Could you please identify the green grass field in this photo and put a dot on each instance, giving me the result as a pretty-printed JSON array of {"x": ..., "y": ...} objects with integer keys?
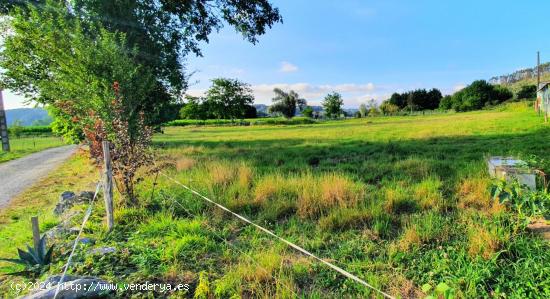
[
  {"x": 23, "y": 146},
  {"x": 398, "y": 201}
]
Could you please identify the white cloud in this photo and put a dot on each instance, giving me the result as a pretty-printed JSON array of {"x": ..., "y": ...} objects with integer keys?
[
  {"x": 287, "y": 67},
  {"x": 458, "y": 87},
  {"x": 12, "y": 100}
]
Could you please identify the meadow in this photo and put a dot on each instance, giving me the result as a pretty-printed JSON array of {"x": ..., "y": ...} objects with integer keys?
[
  {"x": 401, "y": 202},
  {"x": 28, "y": 144}
]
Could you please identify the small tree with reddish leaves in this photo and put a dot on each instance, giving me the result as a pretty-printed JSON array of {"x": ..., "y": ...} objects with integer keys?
[{"x": 130, "y": 138}]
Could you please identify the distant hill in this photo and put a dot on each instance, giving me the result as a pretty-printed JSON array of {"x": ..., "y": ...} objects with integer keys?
[{"x": 28, "y": 116}]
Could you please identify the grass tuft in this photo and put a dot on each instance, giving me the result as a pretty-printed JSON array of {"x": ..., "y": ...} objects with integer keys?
[
  {"x": 319, "y": 195},
  {"x": 344, "y": 219},
  {"x": 221, "y": 174},
  {"x": 474, "y": 193},
  {"x": 184, "y": 163}
]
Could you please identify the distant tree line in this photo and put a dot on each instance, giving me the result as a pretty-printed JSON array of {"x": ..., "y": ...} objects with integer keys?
[{"x": 419, "y": 99}]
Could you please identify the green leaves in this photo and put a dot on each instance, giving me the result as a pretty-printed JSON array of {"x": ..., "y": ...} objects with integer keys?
[
  {"x": 525, "y": 202},
  {"x": 442, "y": 290},
  {"x": 286, "y": 103},
  {"x": 332, "y": 104},
  {"x": 36, "y": 261},
  {"x": 228, "y": 98}
]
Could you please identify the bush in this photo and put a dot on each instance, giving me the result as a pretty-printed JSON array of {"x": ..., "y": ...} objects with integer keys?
[
  {"x": 16, "y": 129},
  {"x": 477, "y": 95},
  {"x": 527, "y": 92}
]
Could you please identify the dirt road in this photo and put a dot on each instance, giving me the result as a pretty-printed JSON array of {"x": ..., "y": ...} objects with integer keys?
[{"x": 17, "y": 175}]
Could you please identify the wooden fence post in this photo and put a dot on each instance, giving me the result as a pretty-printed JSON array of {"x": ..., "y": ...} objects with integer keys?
[
  {"x": 35, "y": 233},
  {"x": 108, "y": 184}
]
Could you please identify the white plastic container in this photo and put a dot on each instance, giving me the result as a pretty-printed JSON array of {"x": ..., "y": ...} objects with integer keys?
[{"x": 510, "y": 168}]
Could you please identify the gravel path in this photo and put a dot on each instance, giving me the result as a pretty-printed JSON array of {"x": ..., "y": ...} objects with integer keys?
[{"x": 17, "y": 175}]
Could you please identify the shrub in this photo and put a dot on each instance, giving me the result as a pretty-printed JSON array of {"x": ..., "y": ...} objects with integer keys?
[
  {"x": 16, "y": 128},
  {"x": 527, "y": 92},
  {"x": 478, "y": 95}
]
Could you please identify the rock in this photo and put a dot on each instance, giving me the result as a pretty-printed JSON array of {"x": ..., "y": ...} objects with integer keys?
[
  {"x": 73, "y": 287},
  {"x": 62, "y": 228},
  {"x": 69, "y": 199},
  {"x": 66, "y": 201},
  {"x": 55, "y": 232},
  {"x": 86, "y": 241},
  {"x": 54, "y": 280},
  {"x": 85, "y": 196},
  {"x": 67, "y": 195},
  {"x": 74, "y": 230},
  {"x": 102, "y": 250}
]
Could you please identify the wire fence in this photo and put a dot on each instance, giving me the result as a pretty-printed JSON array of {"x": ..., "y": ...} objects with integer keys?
[
  {"x": 288, "y": 243},
  {"x": 84, "y": 220}
]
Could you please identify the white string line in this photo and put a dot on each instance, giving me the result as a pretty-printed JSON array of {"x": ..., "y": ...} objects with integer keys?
[
  {"x": 86, "y": 216},
  {"x": 231, "y": 245},
  {"x": 302, "y": 250}
]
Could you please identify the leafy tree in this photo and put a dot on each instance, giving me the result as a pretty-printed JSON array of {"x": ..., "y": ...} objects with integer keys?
[
  {"x": 446, "y": 103},
  {"x": 286, "y": 103},
  {"x": 193, "y": 109},
  {"x": 478, "y": 95},
  {"x": 373, "y": 108},
  {"x": 160, "y": 35},
  {"x": 434, "y": 97},
  {"x": 501, "y": 94},
  {"x": 308, "y": 112},
  {"x": 250, "y": 112},
  {"x": 363, "y": 111},
  {"x": 527, "y": 92},
  {"x": 418, "y": 99},
  {"x": 332, "y": 104},
  {"x": 51, "y": 57},
  {"x": 228, "y": 98},
  {"x": 399, "y": 100},
  {"x": 388, "y": 108}
]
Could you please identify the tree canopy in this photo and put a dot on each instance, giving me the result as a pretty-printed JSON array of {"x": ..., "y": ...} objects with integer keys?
[
  {"x": 332, "y": 104},
  {"x": 160, "y": 35},
  {"x": 419, "y": 99},
  {"x": 527, "y": 92},
  {"x": 286, "y": 103},
  {"x": 228, "y": 98},
  {"x": 476, "y": 96}
]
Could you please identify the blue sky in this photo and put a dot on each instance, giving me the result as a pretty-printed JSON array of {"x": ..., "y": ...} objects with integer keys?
[{"x": 370, "y": 49}]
